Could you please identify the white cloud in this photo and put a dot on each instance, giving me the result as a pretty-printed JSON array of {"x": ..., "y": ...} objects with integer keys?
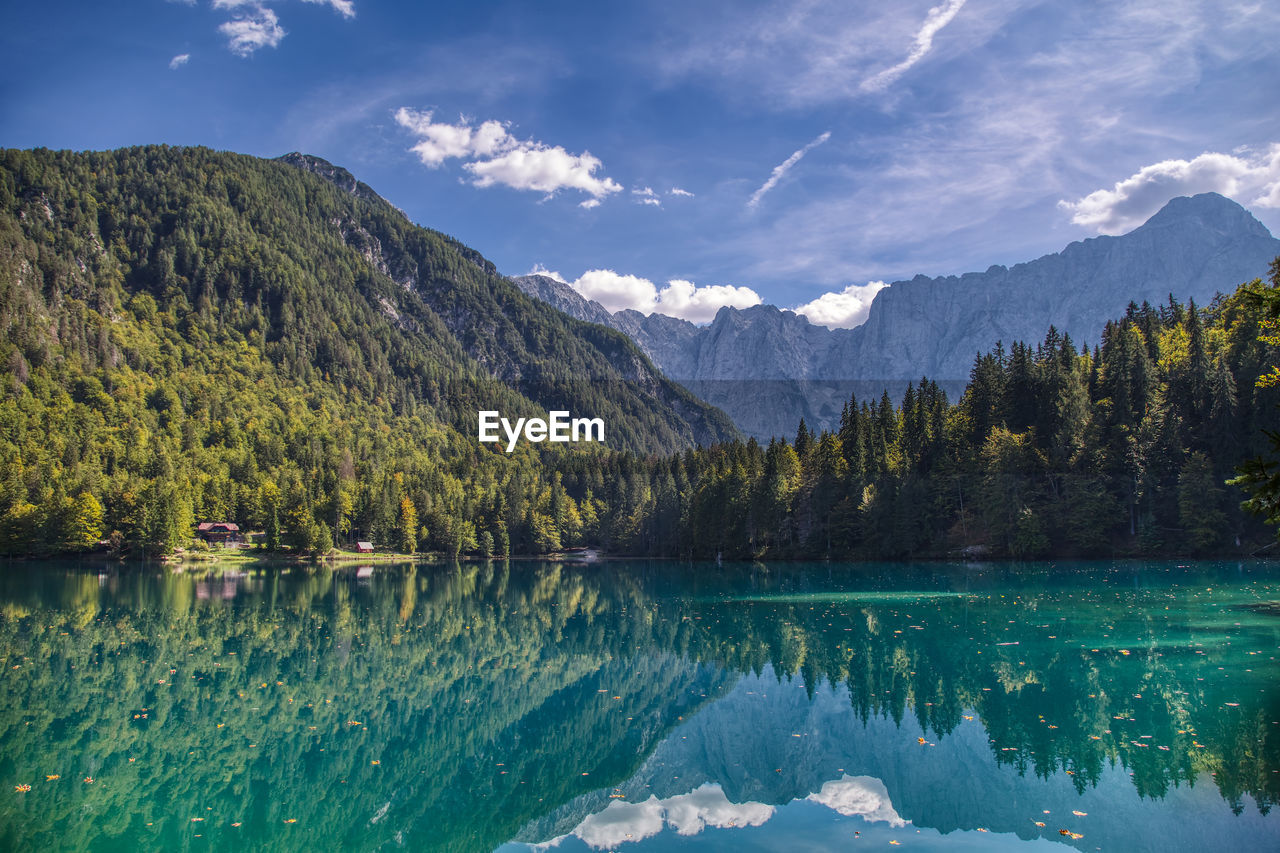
[
  {"x": 680, "y": 298},
  {"x": 345, "y": 8},
  {"x": 862, "y": 796},
  {"x": 686, "y": 300},
  {"x": 544, "y": 169},
  {"x": 589, "y": 203},
  {"x": 539, "y": 269},
  {"x": 707, "y": 806},
  {"x": 842, "y": 309},
  {"x": 938, "y": 17},
  {"x": 254, "y": 26},
  {"x": 497, "y": 157},
  {"x": 688, "y": 814},
  {"x": 1248, "y": 179},
  {"x": 679, "y": 192},
  {"x": 782, "y": 168},
  {"x": 251, "y": 31},
  {"x": 616, "y": 291},
  {"x": 440, "y": 141},
  {"x": 179, "y": 61},
  {"x": 647, "y": 196}
]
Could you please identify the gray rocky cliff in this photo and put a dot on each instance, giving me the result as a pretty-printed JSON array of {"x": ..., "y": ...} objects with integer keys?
[{"x": 768, "y": 367}]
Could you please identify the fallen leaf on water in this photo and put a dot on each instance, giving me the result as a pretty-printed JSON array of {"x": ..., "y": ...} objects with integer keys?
[
  {"x": 21, "y": 789},
  {"x": 88, "y": 780},
  {"x": 375, "y": 762},
  {"x": 920, "y": 739},
  {"x": 237, "y": 823},
  {"x": 291, "y": 820},
  {"x": 1038, "y": 822},
  {"x": 1079, "y": 814},
  {"x": 52, "y": 778}
]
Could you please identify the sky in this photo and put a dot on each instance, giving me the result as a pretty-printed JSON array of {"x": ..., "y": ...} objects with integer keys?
[{"x": 679, "y": 156}]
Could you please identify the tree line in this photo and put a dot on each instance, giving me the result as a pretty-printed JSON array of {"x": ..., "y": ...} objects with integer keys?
[{"x": 188, "y": 336}]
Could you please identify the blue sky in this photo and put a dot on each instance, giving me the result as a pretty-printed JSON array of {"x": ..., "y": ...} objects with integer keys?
[{"x": 677, "y": 156}]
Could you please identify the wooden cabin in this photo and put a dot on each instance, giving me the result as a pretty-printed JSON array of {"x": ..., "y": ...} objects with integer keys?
[
  {"x": 364, "y": 547},
  {"x": 224, "y": 533}
]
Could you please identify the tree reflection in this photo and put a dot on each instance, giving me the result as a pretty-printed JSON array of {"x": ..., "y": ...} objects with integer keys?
[{"x": 445, "y": 707}]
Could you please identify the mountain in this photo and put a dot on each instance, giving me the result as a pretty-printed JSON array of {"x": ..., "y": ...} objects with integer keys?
[
  {"x": 195, "y": 334},
  {"x": 1192, "y": 248}
]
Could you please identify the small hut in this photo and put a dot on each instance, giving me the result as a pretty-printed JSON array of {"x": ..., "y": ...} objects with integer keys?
[
  {"x": 224, "y": 533},
  {"x": 364, "y": 547}
]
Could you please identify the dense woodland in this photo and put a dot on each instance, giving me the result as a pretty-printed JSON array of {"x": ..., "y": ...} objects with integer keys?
[
  {"x": 191, "y": 336},
  {"x": 1133, "y": 447}
]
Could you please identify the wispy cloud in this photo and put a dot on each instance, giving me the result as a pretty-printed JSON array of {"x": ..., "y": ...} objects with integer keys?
[
  {"x": 938, "y": 17},
  {"x": 1249, "y": 178},
  {"x": 647, "y": 196},
  {"x": 252, "y": 30},
  {"x": 799, "y": 53},
  {"x": 179, "y": 61},
  {"x": 254, "y": 25},
  {"x": 782, "y": 168},
  {"x": 539, "y": 269},
  {"x": 676, "y": 191},
  {"x": 345, "y": 8},
  {"x": 494, "y": 156}
]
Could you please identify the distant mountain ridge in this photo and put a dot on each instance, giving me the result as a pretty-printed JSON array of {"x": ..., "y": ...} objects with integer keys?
[{"x": 1193, "y": 248}]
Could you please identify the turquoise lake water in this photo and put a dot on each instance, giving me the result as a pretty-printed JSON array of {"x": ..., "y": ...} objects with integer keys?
[{"x": 641, "y": 706}]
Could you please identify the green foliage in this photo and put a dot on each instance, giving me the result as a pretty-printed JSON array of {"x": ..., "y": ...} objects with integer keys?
[
  {"x": 194, "y": 336},
  {"x": 1260, "y": 475},
  {"x": 189, "y": 336},
  {"x": 407, "y": 529},
  {"x": 1050, "y": 451}
]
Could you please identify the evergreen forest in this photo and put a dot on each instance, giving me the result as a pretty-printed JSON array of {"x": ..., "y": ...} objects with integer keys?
[{"x": 195, "y": 336}]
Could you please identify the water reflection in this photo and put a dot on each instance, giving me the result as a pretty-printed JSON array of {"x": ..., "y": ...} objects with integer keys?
[{"x": 458, "y": 707}]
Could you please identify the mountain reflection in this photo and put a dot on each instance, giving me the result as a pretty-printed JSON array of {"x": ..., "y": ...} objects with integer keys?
[{"x": 457, "y": 707}]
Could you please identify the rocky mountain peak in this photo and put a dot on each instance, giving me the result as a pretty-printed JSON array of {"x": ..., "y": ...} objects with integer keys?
[{"x": 336, "y": 175}]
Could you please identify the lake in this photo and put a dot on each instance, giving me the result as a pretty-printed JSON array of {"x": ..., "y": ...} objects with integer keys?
[{"x": 639, "y": 706}]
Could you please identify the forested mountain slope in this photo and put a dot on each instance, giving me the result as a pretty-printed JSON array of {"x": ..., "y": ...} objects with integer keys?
[{"x": 192, "y": 334}]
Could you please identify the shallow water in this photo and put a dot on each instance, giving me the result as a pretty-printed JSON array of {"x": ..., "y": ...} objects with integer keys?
[{"x": 638, "y": 706}]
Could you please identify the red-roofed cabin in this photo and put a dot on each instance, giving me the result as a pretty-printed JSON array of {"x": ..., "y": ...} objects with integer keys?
[{"x": 219, "y": 532}]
